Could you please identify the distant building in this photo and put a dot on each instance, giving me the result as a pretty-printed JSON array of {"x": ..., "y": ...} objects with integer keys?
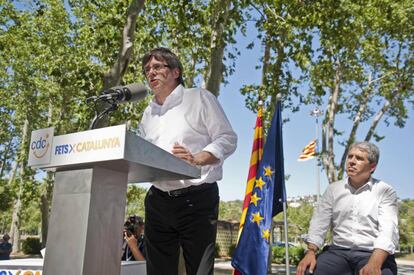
[{"x": 227, "y": 232}]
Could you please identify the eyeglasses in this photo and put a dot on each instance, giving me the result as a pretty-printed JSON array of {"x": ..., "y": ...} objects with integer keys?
[{"x": 156, "y": 68}]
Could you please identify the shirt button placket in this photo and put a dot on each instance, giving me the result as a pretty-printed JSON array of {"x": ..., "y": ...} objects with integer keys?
[{"x": 354, "y": 218}]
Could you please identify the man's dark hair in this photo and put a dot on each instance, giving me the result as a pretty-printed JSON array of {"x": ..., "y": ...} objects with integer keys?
[{"x": 165, "y": 54}]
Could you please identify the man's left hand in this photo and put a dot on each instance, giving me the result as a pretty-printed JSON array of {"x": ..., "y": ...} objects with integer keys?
[
  {"x": 201, "y": 158},
  {"x": 183, "y": 153},
  {"x": 370, "y": 269},
  {"x": 373, "y": 267}
]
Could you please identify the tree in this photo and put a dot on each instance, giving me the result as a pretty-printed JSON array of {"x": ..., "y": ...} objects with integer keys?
[
  {"x": 286, "y": 40},
  {"x": 48, "y": 72},
  {"x": 353, "y": 57},
  {"x": 135, "y": 201},
  {"x": 365, "y": 66},
  {"x": 406, "y": 222},
  {"x": 231, "y": 210}
]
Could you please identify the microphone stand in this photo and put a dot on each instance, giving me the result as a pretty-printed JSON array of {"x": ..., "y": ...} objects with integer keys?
[{"x": 100, "y": 115}]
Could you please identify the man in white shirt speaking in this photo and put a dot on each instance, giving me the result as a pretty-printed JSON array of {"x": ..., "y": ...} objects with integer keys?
[
  {"x": 190, "y": 124},
  {"x": 362, "y": 213}
]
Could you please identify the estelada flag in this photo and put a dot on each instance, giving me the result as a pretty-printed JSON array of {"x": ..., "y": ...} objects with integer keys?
[{"x": 309, "y": 151}]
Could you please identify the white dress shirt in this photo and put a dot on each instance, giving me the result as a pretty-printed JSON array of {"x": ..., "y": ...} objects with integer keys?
[
  {"x": 194, "y": 119},
  {"x": 365, "y": 218}
]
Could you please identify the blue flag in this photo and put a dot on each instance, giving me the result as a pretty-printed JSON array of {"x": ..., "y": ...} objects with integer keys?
[{"x": 252, "y": 252}]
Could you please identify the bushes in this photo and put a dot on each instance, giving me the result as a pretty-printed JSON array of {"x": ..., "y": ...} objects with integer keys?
[
  {"x": 217, "y": 250},
  {"x": 295, "y": 254},
  {"x": 232, "y": 247},
  {"x": 31, "y": 245}
]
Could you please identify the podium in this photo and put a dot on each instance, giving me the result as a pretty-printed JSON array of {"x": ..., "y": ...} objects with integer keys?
[{"x": 93, "y": 169}]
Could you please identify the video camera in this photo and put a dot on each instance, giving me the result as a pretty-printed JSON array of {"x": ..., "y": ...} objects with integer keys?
[{"x": 132, "y": 224}]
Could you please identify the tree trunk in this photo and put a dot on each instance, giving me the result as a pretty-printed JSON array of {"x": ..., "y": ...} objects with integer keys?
[
  {"x": 366, "y": 95},
  {"x": 328, "y": 130},
  {"x": 115, "y": 74},
  {"x": 15, "y": 227},
  {"x": 216, "y": 67},
  {"x": 280, "y": 45},
  {"x": 376, "y": 120}
]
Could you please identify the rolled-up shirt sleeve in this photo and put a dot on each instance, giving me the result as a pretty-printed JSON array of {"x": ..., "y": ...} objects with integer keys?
[
  {"x": 321, "y": 219},
  {"x": 387, "y": 222},
  {"x": 223, "y": 138}
]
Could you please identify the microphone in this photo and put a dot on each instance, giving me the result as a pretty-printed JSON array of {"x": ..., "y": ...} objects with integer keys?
[{"x": 124, "y": 94}]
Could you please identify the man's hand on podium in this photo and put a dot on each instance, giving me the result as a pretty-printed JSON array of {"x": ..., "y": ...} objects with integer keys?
[{"x": 198, "y": 159}]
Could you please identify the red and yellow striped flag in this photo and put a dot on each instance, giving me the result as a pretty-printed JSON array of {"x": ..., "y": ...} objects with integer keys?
[
  {"x": 309, "y": 151},
  {"x": 257, "y": 152},
  {"x": 256, "y": 156}
]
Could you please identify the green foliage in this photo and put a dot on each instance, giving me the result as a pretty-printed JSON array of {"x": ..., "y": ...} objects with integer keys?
[
  {"x": 295, "y": 254},
  {"x": 135, "y": 200},
  {"x": 299, "y": 217},
  {"x": 406, "y": 222},
  {"x": 30, "y": 217},
  {"x": 217, "y": 250},
  {"x": 31, "y": 246},
  {"x": 355, "y": 58},
  {"x": 232, "y": 247},
  {"x": 5, "y": 220},
  {"x": 278, "y": 254},
  {"x": 230, "y": 210},
  {"x": 6, "y": 197}
]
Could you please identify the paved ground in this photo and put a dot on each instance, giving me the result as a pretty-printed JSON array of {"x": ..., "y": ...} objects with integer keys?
[{"x": 223, "y": 267}]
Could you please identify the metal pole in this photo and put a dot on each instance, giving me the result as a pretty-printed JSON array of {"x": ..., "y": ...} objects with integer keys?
[
  {"x": 318, "y": 181},
  {"x": 270, "y": 254},
  {"x": 286, "y": 238},
  {"x": 317, "y": 113}
]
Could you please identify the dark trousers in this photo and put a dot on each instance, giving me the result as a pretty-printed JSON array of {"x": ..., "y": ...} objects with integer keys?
[
  {"x": 189, "y": 221},
  {"x": 345, "y": 261}
]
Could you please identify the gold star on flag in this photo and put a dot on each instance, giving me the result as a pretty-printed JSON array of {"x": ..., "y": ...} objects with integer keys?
[
  {"x": 268, "y": 171},
  {"x": 257, "y": 218},
  {"x": 260, "y": 183},
  {"x": 254, "y": 199},
  {"x": 266, "y": 234}
]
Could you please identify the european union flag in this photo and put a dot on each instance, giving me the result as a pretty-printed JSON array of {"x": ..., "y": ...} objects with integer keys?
[{"x": 251, "y": 254}]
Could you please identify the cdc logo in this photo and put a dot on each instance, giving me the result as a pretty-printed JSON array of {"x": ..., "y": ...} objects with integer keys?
[{"x": 40, "y": 146}]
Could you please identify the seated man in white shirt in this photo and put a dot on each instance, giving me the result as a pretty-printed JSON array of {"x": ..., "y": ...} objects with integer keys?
[{"x": 362, "y": 212}]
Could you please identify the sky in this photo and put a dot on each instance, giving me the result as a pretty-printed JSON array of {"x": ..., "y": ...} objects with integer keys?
[{"x": 396, "y": 149}]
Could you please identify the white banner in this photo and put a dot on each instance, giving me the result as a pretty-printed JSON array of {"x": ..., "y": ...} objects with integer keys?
[{"x": 83, "y": 147}]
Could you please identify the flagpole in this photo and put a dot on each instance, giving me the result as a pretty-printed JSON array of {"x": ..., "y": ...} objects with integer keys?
[
  {"x": 270, "y": 256},
  {"x": 286, "y": 238},
  {"x": 317, "y": 113}
]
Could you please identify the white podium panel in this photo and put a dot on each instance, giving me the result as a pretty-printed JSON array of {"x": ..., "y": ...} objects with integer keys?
[{"x": 89, "y": 195}]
